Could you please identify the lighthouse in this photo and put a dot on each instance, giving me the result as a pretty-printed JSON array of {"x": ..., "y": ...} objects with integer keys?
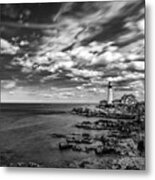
[{"x": 110, "y": 93}]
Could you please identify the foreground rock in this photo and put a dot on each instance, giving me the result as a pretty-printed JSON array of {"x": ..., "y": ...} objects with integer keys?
[
  {"x": 121, "y": 147},
  {"x": 102, "y": 145},
  {"x": 123, "y": 126},
  {"x": 123, "y": 163}
]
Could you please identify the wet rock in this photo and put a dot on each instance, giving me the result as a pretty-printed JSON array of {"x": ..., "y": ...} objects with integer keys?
[
  {"x": 83, "y": 164},
  {"x": 105, "y": 150},
  {"x": 87, "y": 141},
  {"x": 56, "y": 135},
  {"x": 98, "y": 125},
  {"x": 79, "y": 139},
  {"x": 113, "y": 133},
  {"x": 99, "y": 150},
  {"x": 21, "y": 164},
  {"x": 122, "y": 138},
  {"x": 27, "y": 164},
  {"x": 127, "y": 147},
  {"x": 64, "y": 146},
  {"x": 84, "y": 125},
  {"x": 33, "y": 164},
  {"x": 77, "y": 148},
  {"x": 128, "y": 163},
  {"x": 141, "y": 147}
]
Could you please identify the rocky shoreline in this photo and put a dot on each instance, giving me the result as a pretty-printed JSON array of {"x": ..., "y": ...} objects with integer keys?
[
  {"x": 97, "y": 112},
  {"x": 124, "y": 140},
  {"x": 119, "y": 143},
  {"x": 121, "y": 147}
]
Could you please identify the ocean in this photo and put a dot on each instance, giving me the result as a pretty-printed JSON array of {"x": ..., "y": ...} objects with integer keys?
[{"x": 26, "y": 133}]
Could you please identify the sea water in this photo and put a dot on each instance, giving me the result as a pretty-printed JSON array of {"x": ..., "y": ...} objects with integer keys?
[{"x": 26, "y": 130}]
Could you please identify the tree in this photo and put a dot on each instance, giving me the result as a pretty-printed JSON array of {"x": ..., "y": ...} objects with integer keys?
[{"x": 128, "y": 99}]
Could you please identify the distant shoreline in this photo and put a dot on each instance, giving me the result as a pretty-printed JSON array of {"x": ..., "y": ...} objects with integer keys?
[
  {"x": 48, "y": 103},
  {"x": 40, "y": 108}
]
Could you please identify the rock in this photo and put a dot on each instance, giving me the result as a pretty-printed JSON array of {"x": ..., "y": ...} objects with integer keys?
[
  {"x": 76, "y": 148},
  {"x": 99, "y": 150},
  {"x": 83, "y": 164},
  {"x": 33, "y": 164},
  {"x": 29, "y": 164},
  {"x": 141, "y": 147},
  {"x": 127, "y": 147},
  {"x": 21, "y": 164},
  {"x": 64, "y": 146},
  {"x": 56, "y": 135},
  {"x": 129, "y": 163},
  {"x": 87, "y": 141},
  {"x": 84, "y": 138},
  {"x": 98, "y": 125}
]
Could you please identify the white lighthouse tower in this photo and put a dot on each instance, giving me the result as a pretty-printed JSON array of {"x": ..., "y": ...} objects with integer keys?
[{"x": 110, "y": 93}]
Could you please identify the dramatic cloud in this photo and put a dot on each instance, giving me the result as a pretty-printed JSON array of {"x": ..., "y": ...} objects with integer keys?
[
  {"x": 8, "y": 48},
  {"x": 80, "y": 46}
]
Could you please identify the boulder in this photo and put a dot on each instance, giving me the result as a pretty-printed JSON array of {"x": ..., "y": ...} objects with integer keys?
[{"x": 64, "y": 146}]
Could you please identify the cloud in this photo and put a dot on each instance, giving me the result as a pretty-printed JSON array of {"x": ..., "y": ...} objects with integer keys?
[
  {"x": 137, "y": 65},
  {"x": 141, "y": 25},
  {"x": 66, "y": 94},
  {"x": 127, "y": 76},
  {"x": 79, "y": 88},
  {"x": 47, "y": 95},
  {"x": 8, "y": 84},
  {"x": 85, "y": 73},
  {"x": 108, "y": 57},
  {"x": 137, "y": 85},
  {"x": 82, "y": 53},
  {"x": 49, "y": 77},
  {"x": 11, "y": 92},
  {"x": 8, "y": 48},
  {"x": 61, "y": 64},
  {"x": 124, "y": 88},
  {"x": 84, "y": 46},
  {"x": 23, "y": 43}
]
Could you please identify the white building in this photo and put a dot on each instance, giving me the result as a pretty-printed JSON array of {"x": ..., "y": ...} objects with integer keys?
[{"x": 110, "y": 93}]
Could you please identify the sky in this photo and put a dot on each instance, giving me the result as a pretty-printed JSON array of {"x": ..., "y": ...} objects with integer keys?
[{"x": 68, "y": 52}]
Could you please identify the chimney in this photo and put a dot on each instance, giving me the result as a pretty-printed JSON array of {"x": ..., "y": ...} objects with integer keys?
[{"x": 110, "y": 93}]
